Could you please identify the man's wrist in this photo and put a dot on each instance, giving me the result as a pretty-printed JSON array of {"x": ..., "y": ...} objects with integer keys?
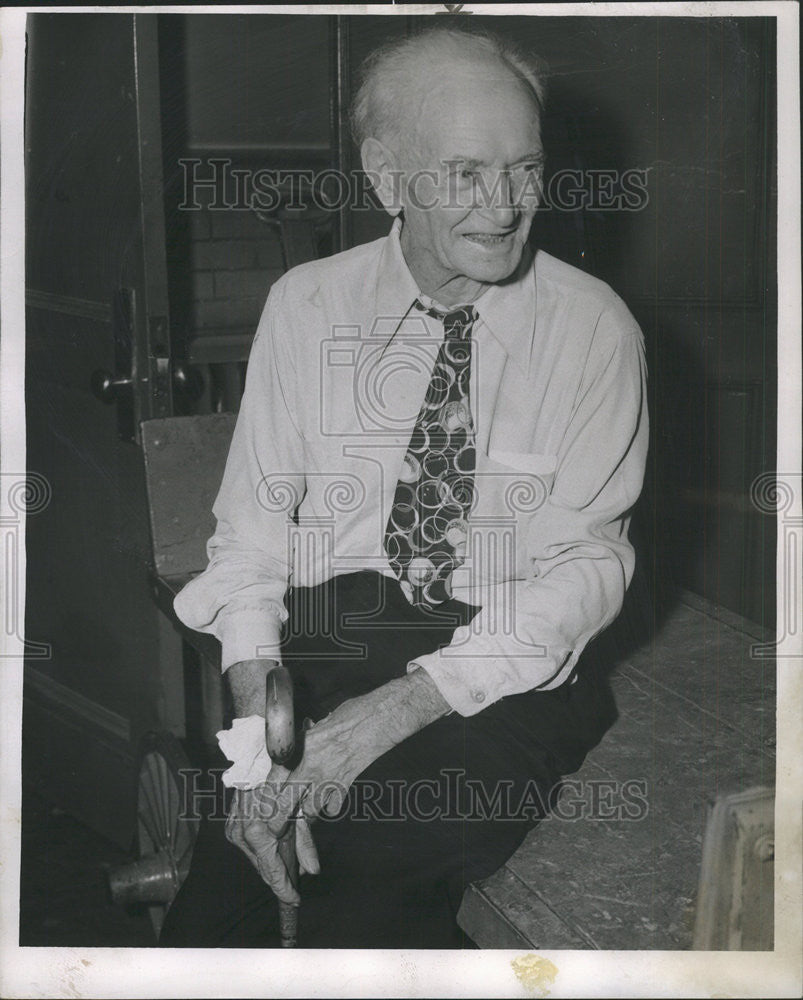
[
  {"x": 425, "y": 694},
  {"x": 415, "y": 702},
  {"x": 247, "y": 685}
]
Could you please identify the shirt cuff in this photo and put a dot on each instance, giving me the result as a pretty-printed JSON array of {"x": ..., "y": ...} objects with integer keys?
[
  {"x": 470, "y": 680},
  {"x": 249, "y": 635}
]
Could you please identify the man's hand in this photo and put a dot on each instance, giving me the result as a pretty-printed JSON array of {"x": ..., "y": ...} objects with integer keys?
[
  {"x": 253, "y": 824},
  {"x": 254, "y": 827},
  {"x": 340, "y": 747},
  {"x": 336, "y": 751}
]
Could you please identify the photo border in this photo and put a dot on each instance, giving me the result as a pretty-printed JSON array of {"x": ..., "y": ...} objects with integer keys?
[{"x": 133, "y": 972}]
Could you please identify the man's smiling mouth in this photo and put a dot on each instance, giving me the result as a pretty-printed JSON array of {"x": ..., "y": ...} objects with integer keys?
[{"x": 489, "y": 239}]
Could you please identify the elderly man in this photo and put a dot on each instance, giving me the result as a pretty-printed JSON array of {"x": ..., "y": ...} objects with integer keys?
[{"x": 424, "y": 516}]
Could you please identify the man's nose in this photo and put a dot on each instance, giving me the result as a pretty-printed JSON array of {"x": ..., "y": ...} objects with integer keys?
[{"x": 497, "y": 201}]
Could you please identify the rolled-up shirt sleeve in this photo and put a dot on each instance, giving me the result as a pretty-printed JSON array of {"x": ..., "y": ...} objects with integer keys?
[
  {"x": 239, "y": 597},
  {"x": 529, "y": 633}
]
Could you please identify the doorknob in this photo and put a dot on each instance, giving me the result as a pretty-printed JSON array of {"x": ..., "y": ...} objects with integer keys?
[
  {"x": 118, "y": 386},
  {"x": 187, "y": 382},
  {"x": 107, "y": 387}
]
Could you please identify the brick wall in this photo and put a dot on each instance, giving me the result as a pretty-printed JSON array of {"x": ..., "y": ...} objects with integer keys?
[{"x": 234, "y": 259}]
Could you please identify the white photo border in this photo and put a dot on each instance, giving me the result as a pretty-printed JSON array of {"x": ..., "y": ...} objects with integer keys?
[{"x": 133, "y": 972}]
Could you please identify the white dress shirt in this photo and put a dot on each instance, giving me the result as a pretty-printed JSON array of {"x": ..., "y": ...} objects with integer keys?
[{"x": 338, "y": 370}]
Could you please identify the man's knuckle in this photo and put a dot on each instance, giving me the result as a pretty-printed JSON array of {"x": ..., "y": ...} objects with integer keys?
[{"x": 252, "y": 838}]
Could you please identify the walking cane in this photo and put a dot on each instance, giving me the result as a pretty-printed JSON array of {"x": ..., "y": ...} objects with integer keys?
[{"x": 280, "y": 739}]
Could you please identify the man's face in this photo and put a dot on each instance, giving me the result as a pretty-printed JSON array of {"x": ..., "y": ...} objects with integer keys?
[{"x": 469, "y": 207}]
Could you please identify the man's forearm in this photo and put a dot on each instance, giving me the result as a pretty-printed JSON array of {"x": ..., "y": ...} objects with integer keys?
[
  {"x": 247, "y": 685},
  {"x": 415, "y": 702},
  {"x": 339, "y": 748},
  {"x": 391, "y": 714},
  {"x": 364, "y": 727}
]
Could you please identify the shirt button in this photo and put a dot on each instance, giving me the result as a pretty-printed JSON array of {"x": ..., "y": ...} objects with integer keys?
[{"x": 478, "y": 696}]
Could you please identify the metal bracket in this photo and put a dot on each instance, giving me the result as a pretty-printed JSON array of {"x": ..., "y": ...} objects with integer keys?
[{"x": 159, "y": 366}]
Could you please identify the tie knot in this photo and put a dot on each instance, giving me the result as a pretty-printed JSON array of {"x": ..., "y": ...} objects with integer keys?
[{"x": 456, "y": 323}]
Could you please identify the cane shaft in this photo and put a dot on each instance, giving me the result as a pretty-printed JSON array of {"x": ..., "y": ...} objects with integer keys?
[
  {"x": 280, "y": 743},
  {"x": 288, "y": 913}
]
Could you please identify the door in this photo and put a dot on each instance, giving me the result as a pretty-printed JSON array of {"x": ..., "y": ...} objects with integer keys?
[{"x": 102, "y": 667}]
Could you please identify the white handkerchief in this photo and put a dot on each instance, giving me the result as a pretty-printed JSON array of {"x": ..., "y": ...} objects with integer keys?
[{"x": 244, "y": 746}]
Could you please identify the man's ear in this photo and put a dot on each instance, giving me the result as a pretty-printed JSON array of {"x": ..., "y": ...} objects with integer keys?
[{"x": 384, "y": 173}]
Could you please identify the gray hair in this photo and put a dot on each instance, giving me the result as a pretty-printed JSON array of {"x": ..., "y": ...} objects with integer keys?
[{"x": 390, "y": 70}]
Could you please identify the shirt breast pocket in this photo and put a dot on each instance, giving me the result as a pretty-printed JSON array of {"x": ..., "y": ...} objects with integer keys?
[
  {"x": 541, "y": 466},
  {"x": 511, "y": 487}
]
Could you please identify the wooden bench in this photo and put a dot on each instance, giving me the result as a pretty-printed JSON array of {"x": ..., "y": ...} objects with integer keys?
[{"x": 184, "y": 462}]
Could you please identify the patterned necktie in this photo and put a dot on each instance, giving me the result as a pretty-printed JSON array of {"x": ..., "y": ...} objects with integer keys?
[{"x": 427, "y": 530}]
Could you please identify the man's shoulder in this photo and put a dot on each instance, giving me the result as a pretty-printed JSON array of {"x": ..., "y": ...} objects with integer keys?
[
  {"x": 593, "y": 296},
  {"x": 339, "y": 275}
]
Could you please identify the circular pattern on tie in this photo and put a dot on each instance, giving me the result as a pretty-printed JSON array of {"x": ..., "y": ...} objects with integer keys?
[
  {"x": 455, "y": 416},
  {"x": 427, "y": 530},
  {"x": 411, "y": 469}
]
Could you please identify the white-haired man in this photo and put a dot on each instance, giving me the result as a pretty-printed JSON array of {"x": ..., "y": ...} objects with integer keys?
[{"x": 424, "y": 515}]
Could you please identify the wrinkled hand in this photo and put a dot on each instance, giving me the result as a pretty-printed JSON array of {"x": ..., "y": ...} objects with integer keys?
[
  {"x": 336, "y": 751},
  {"x": 255, "y": 825}
]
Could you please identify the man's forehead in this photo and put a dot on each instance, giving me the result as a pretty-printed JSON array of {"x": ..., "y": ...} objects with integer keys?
[
  {"x": 477, "y": 127},
  {"x": 459, "y": 85}
]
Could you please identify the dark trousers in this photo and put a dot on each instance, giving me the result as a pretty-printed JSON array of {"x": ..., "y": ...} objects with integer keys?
[{"x": 446, "y": 807}]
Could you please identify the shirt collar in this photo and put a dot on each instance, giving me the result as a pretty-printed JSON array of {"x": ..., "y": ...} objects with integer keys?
[
  {"x": 507, "y": 310},
  {"x": 396, "y": 289}
]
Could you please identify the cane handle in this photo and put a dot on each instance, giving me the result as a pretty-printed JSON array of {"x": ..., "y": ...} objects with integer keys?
[{"x": 280, "y": 737}]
